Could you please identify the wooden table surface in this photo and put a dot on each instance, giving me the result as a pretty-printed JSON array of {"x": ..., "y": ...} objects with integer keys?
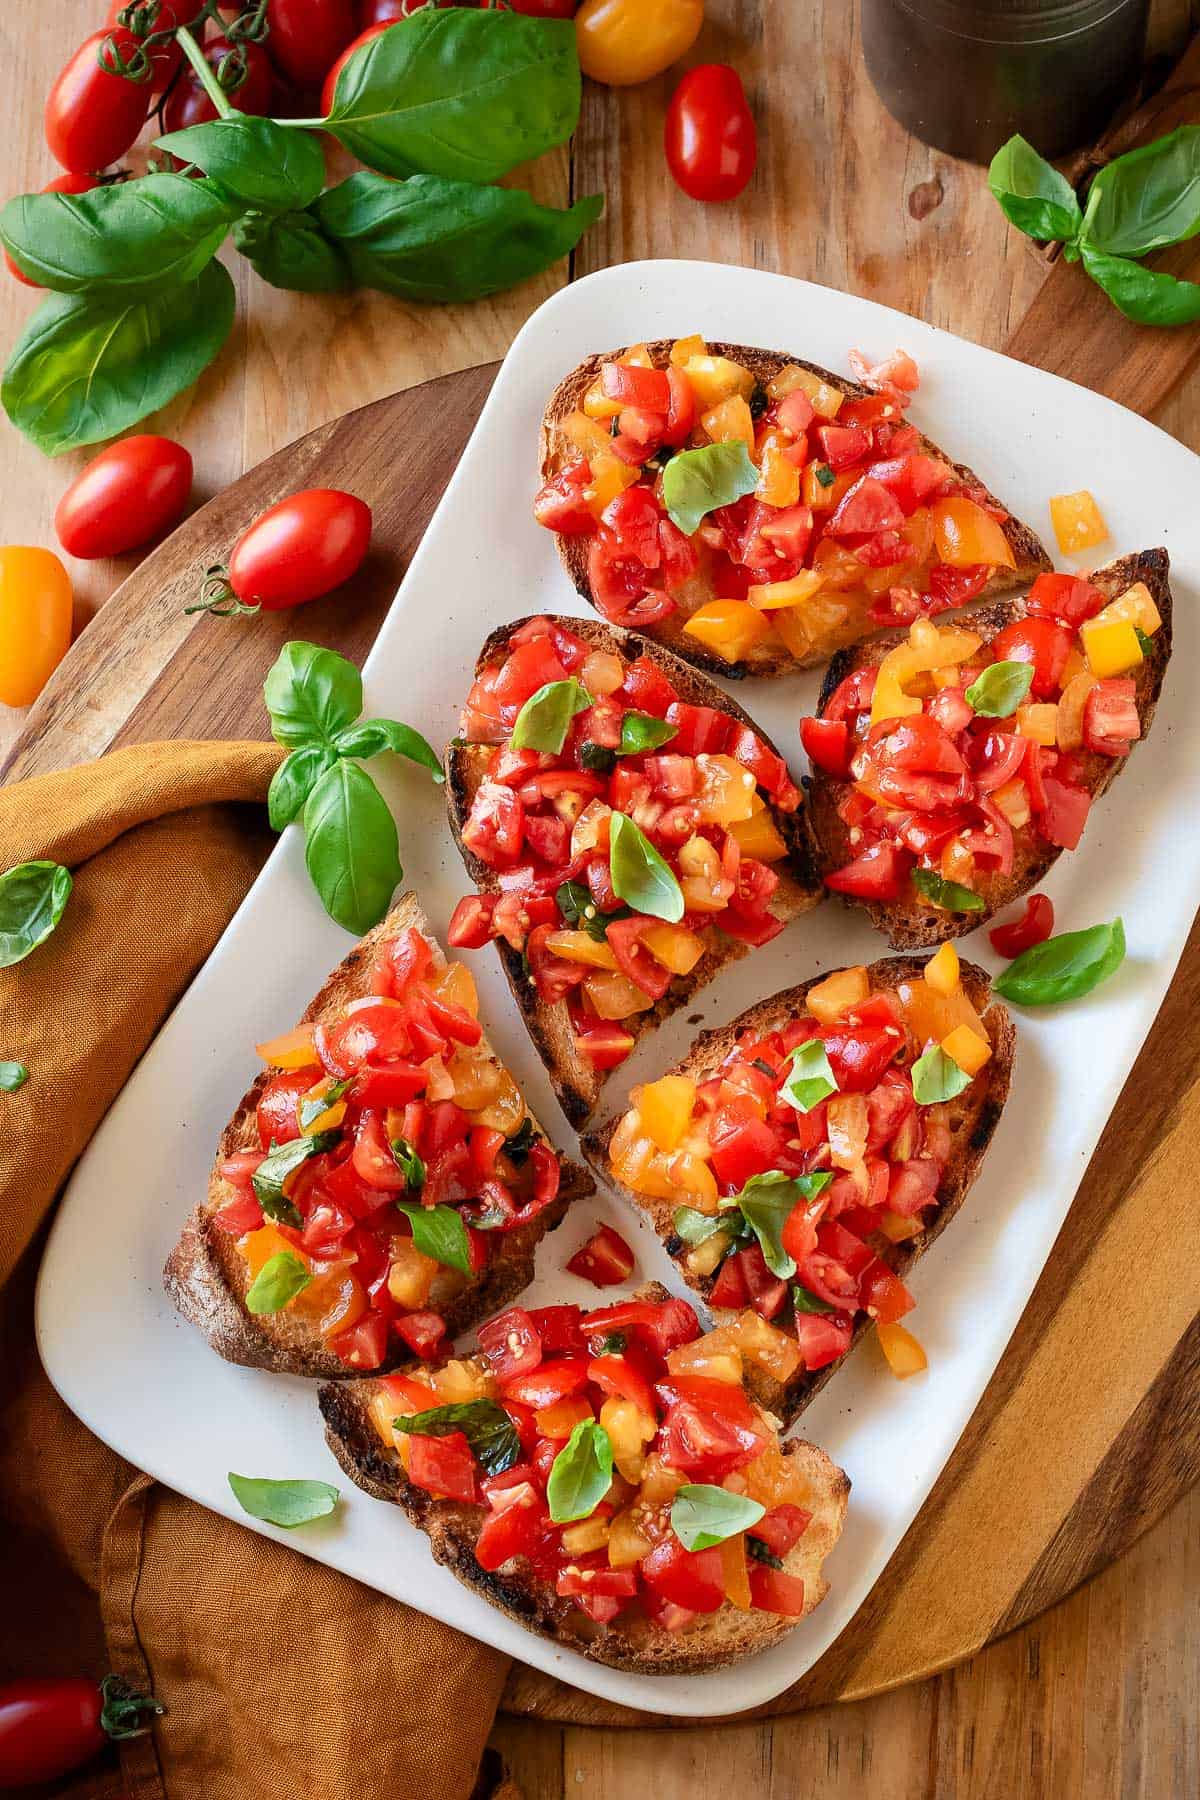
[{"x": 1099, "y": 1698}]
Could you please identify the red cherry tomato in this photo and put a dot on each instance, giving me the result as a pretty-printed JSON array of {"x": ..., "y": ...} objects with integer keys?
[
  {"x": 188, "y": 104},
  {"x": 1034, "y": 926},
  {"x": 386, "y": 12},
  {"x": 92, "y": 115},
  {"x": 62, "y": 184},
  {"x": 331, "y": 80},
  {"x": 48, "y": 1728},
  {"x": 132, "y": 492},
  {"x": 710, "y": 136},
  {"x": 306, "y": 37},
  {"x": 150, "y": 17},
  {"x": 303, "y": 547}
]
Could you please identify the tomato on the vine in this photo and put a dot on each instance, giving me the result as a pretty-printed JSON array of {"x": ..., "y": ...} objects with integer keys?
[
  {"x": 331, "y": 80},
  {"x": 49, "y": 1727},
  {"x": 188, "y": 104},
  {"x": 148, "y": 17},
  {"x": 297, "y": 550},
  {"x": 35, "y": 621},
  {"x": 93, "y": 115},
  {"x": 710, "y": 137},
  {"x": 306, "y": 37},
  {"x": 132, "y": 492},
  {"x": 622, "y": 42},
  {"x": 62, "y": 184}
]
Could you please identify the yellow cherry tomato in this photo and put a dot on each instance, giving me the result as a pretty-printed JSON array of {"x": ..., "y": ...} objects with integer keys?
[
  {"x": 622, "y": 42},
  {"x": 35, "y": 621}
]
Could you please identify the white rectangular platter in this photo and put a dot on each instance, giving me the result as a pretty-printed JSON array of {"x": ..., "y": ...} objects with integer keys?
[{"x": 149, "y": 1385}]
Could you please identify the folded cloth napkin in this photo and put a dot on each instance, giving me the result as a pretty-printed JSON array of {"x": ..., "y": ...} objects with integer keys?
[{"x": 280, "y": 1676}]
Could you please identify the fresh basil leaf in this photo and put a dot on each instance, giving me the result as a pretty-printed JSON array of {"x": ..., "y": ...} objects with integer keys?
[
  {"x": 13, "y": 1075},
  {"x": 1145, "y": 641},
  {"x": 937, "y": 1077},
  {"x": 312, "y": 1106},
  {"x": 464, "y": 94},
  {"x": 642, "y": 731},
  {"x": 280, "y": 1279},
  {"x": 1000, "y": 689},
  {"x": 639, "y": 875},
  {"x": 372, "y": 736},
  {"x": 281, "y": 1161},
  {"x": 85, "y": 369},
  {"x": 1147, "y": 198},
  {"x": 255, "y": 161},
  {"x": 312, "y": 695},
  {"x": 427, "y": 239},
  {"x": 581, "y": 1473},
  {"x": 598, "y": 758},
  {"x": 697, "y": 481},
  {"x": 33, "y": 898},
  {"x": 518, "y": 1146},
  {"x": 702, "y": 1516},
  {"x": 285, "y": 1503},
  {"x": 825, "y": 475},
  {"x": 758, "y": 1550},
  {"x": 1064, "y": 967},
  {"x": 121, "y": 242},
  {"x": 1031, "y": 192},
  {"x": 410, "y": 1164},
  {"x": 484, "y": 1423},
  {"x": 439, "y": 1232},
  {"x": 1147, "y": 296},
  {"x": 951, "y": 896},
  {"x": 811, "y": 1079},
  {"x": 545, "y": 719},
  {"x": 767, "y": 1202},
  {"x": 804, "y": 1301},
  {"x": 294, "y": 780},
  {"x": 695, "y": 1227},
  {"x": 578, "y": 908},
  {"x": 613, "y": 1344},
  {"x": 289, "y": 250},
  {"x": 350, "y": 847}
]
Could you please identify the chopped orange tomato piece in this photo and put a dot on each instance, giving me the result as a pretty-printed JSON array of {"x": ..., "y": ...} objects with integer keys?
[
  {"x": 1078, "y": 522},
  {"x": 674, "y": 946},
  {"x": 904, "y": 1354},
  {"x": 730, "y": 627},
  {"x": 1111, "y": 646},
  {"x": 715, "y": 378},
  {"x": 757, "y": 837},
  {"x": 942, "y": 971},
  {"x": 966, "y": 1048},
  {"x": 729, "y": 421},
  {"x": 965, "y": 535},
  {"x": 826, "y": 399},
  {"x": 735, "y": 1579},
  {"x": 838, "y": 993},
  {"x": 291, "y": 1050},
  {"x": 666, "y": 1108},
  {"x": 578, "y": 946}
]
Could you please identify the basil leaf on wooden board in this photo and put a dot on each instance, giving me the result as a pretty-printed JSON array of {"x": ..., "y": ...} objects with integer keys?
[
  {"x": 937, "y": 1077},
  {"x": 311, "y": 694},
  {"x": 1147, "y": 198},
  {"x": 33, "y": 898},
  {"x": 545, "y": 719},
  {"x": 1064, "y": 967},
  {"x": 370, "y": 737},
  {"x": 281, "y": 1161},
  {"x": 1147, "y": 296},
  {"x": 294, "y": 780},
  {"x": 639, "y": 875},
  {"x": 459, "y": 93},
  {"x": 950, "y": 896},
  {"x": 767, "y": 1202},
  {"x": 581, "y": 1473},
  {"x": 1031, "y": 192},
  {"x": 314, "y": 1106},
  {"x": 642, "y": 731},
  {"x": 702, "y": 1516},
  {"x": 439, "y": 1232},
  {"x": 484, "y": 1423},
  {"x": 1000, "y": 689},
  {"x": 86, "y": 369},
  {"x": 697, "y": 481},
  {"x": 410, "y": 1165},
  {"x": 13, "y": 1075},
  {"x": 811, "y": 1079},
  {"x": 803, "y": 1301},
  {"x": 118, "y": 242},
  {"x": 255, "y": 161},
  {"x": 286, "y": 1503},
  {"x": 350, "y": 847},
  {"x": 289, "y": 250},
  {"x": 280, "y": 1279},
  {"x": 428, "y": 239}
]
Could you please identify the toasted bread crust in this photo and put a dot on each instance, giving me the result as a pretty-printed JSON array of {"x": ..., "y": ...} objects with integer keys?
[
  {"x": 576, "y": 1081},
  {"x": 913, "y": 925},
  {"x": 973, "y": 1118},
  {"x": 554, "y": 453},
  {"x": 637, "y": 1645},
  {"x": 208, "y": 1279}
]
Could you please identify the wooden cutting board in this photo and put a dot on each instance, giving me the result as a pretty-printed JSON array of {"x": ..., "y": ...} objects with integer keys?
[{"x": 1113, "y": 1446}]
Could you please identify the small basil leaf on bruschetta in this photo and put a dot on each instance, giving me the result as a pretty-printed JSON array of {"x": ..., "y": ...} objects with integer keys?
[
  {"x": 486, "y": 1426},
  {"x": 811, "y": 1079},
  {"x": 579, "y": 909},
  {"x": 286, "y": 1503},
  {"x": 33, "y": 898},
  {"x": 12, "y": 1076},
  {"x": 410, "y": 1164},
  {"x": 294, "y": 780},
  {"x": 1064, "y": 967},
  {"x": 314, "y": 1106},
  {"x": 545, "y": 719},
  {"x": 767, "y": 1202},
  {"x": 439, "y": 1232},
  {"x": 805, "y": 1302},
  {"x": 640, "y": 877},
  {"x": 950, "y": 896},
  {"x": 272, "y": 1172},
  {"x": 370, "y": 737},
  {"x": 1000, "y": 689},
  {"x": 280, "y": 1279},
  {"x": 696, "y": 482},
  {"x": 695, "y": 1227},
  {"x": 581, "y": 1473},
  {"x": 642, "y": 731},
  {"x": 937, "y": 1077},
  {"x": 702, "y": 1516}
]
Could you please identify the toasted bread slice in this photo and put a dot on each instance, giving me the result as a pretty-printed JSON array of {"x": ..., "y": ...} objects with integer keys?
[
  {"x": 576, "y": 1080},
  {"x": 972, "y": 1119},
  {"x": 208, "y": 1279},
  {"x": 914, "y": 924},
  {"x": 555, "y": 452},
  {"x": 637, "y": 1643}
]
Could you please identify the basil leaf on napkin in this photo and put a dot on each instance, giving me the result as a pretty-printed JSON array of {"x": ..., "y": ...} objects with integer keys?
[
  {"x": 937, "y": 1077},
  {"x": 280, "y": 1279},
  {"x": 545, "y": 719},
  {"x": 581, "y": 1473},
  {"x": 811, "y": 1079},
  {"x": 950, "y": 896},
  {"x": 1031, "y": 192},
  {"x": 695, "y": 482},
  {"x": 1000, "y": 689},
  {"x": 286, "y": 1503},
  {"x": 439, "y": 1232},
  {"x": 294, "y": 780},
  {"x": 702, "y": 1516},
  {"x": 13, "y": 1075},
  {"x": 1064, "y": 967},
  {"x": 33, "y": 898},
  {"x": 639, "y": 875},
  {"x": 484, "y": 1423}
]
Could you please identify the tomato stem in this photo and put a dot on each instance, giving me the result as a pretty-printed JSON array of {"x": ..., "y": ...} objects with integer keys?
[
  {"x": 218, "y": 598},
  {"x": 124, "y": 1710},
  {"x": 206, "y": 75}
]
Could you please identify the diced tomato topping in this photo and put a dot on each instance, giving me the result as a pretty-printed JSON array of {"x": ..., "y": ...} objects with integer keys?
[
  {"x": 511, "y": 1344},
  {"x": 605, "y": 1260},
  {"x": 843, "y": 445},
  {"x": 868, "y": 507},
  {"x": 912, "y": 1186},
  {"x": 1039, "y": 641},
  {"x": 1064, "y": 811},
  {"x": 471, "y": 922},
  {"x": 634, "y": 386},
  {"x": 952, "y": 587},
  {"x": 558, "y": 1328},
  {"x": 620, "y": 1376},
  {"x": 782, "y": 1528},
  {"x": 547, "y": 1384},
  {"x": 632, "y": 519},
  {"x": 729, "y": 1289},
  {"x": 364, "y": 1345},
  {"x": 443, "y": 1466},
  {"x": 823, "y": 1337},
  {"x": 1034, "y": 926},
  {"x": 827, "y": 745},
  {"x": 686, "y": 1578},
  {"x": 775, "y": 1591},
  {"x": 239, "y": 1216},
  {"x": 880, "y": 873},
  {"x": 604, "y": 1044},
  {"x": 560, "y": 505},
  {"x": 663, "y": 1325},
  {"x": 277, "y": 1111},
  {"x": 766, "y": 1291},
  {"x": 517, "y": 1521},
  {"x": 1068, "y": 598},
  {"x": 1110, "y": 717}
]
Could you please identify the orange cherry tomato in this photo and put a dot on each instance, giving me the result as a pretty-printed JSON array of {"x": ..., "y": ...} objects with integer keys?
[
  {"x": 622, "y": 42},
  {"x": 35, "y": 621}
]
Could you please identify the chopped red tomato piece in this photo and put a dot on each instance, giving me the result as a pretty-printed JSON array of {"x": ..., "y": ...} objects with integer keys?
[
  {"x": 471, "y": 922},
  {"x": 1034, "y": 926},
  {"x": 687, "y": 1578},
  {"x": 823, "y": 1337},
  {"x": 605, "y": 1260},
  {"x": 604, "y": 1045},
  {"x": 1068, "y": 598},
  {"x": 827, "y": 745},
  {"x": 663, "y": 1325},
  {"x": 775, "y": 1591},
  {"x": 619, "y": 1375},
  {"x": 880, "y": 873},
  {"x": 517, "y": 1521},
  {"x": 547, "y": 1384},
  {"x": 443, "y": 1466},
  {"x": 511, "y": 1344},
  {"x": 843, "y": 445},
  {"x": 278, "y": 1106},
  {"x": 1042, "y": 642},
  {"x": 1110, "y": 717},
  {"x": 423, "y": 1332},
  {"x": 634, "y": 386},
  {"x": 560, "y": 505}
]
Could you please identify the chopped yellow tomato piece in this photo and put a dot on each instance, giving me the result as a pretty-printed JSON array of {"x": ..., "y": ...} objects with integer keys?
[
  {"x": 693, "y": 1181},
  {"x": 588, "y": 1534},
  {"x": 659, "y": 1482},
  {"x": 966, "y": 1048},
  {"x": 612, "y": 995},
  {"x": 728, "y": 421},
  {"x": 928, "y": 648},
  {"x": 758, "y": 837},
  {"x": 1078, "y": 522},
  {"x": 712, "y": 1356},
  {"x": 1038, "y": 721},
  {"x": 1072, "y": 700},
  {"x": 917, "y": 532},
  {"x": 684, "y": 348},
  {"x": 627, "y": 1542},
  {"x": 602, "y": 673},
  {"x": 560, "y": 1420},
  {"x": 826, "y": 399},
  {"x": 674, "y": 946},
  {"x": 666, "y": 1108},
  {"x": 707, "y": 1257},
  {"x": 897, "y": 1228},
  {"x": 730, "y": 627},
  {"x": 715, "y": 378},
  {"x": 735, "y": 1579},
  {"x": 456, "y": 984},
  {"x": 597, "y": 405},
  {"x": 702, "y": 879},
  {"x": 932, "y": 1016},
  {"x": 775, "y": 1352},
  {"x": 905, "y": 1356},
  {"x": 578, "y": 947},
  {"x": 1137, "y": 606},
  {"x": 1112, "y": 647},
  {"x": 834, "y": 996},
  {"x": 819, "y": 486},
  {"x": 727, "y": 790},
  {"x": 965, "y": 535},
  {"x": 587, "y": 435},
  {"x": 462, "y": 1379},
  {"x": 629, "y": 1431},
  {"x": 329, "y": 1118},
  {"x": 411, "y": 1275},
  {"x": 943, "y": 969},
  {"x": 610, "y": 477},
  {"x": 291, "y": 1050},
  {"x": 638, "y": 357},
  {"x": 771, "y": 596},
  {"x": 1013, "y": 801},
  {"x": 258, "y": 1247},
  {"x": 779, "y": 483},
  {"x": 771, "y": 1480}
]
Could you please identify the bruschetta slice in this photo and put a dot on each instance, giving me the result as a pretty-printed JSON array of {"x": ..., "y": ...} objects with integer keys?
[
  {"x": 754, "y": 513},
  {"x": 799, "y": 1160},
  {"x": 629, "y": 829},
  {"x": 953, "y": 763},
  {"x": 382, "y": 1185},
  {"x": 605, "y": 1479}
]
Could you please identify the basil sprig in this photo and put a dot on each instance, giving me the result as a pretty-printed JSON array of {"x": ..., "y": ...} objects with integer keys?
[
  {"x": 484, "y": 1423},
  {"x": 545, "y": 719},
  {"x": 579, "y": 909},
  {"x": 1064, "y": 967},
  {"x": 950, "y": 896},
  {"x": 811, "y": 1079},
  {"x": 702, "y": 1516},
  {"x": 281, "y": 1161},
  {"x": 1139, "y": 202},
  {"x": 439, "y": 1232},
  {"x": 639, "y": 875},
  {"x": 997, "y": 692},
  {"x": 280, "y": 1279},
  {"x": 581, "y": 1473},
  {"x": 286, "y": 1503},
  {"x": 696, "y": 482},
  {"x": 767, "y": 1202},
  {"x": 13, "y": 1075},
  {"x": 937, "y": 1077},
  {"x": 410, "y": 1164},
  {"x": 33, "y": 898}
]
